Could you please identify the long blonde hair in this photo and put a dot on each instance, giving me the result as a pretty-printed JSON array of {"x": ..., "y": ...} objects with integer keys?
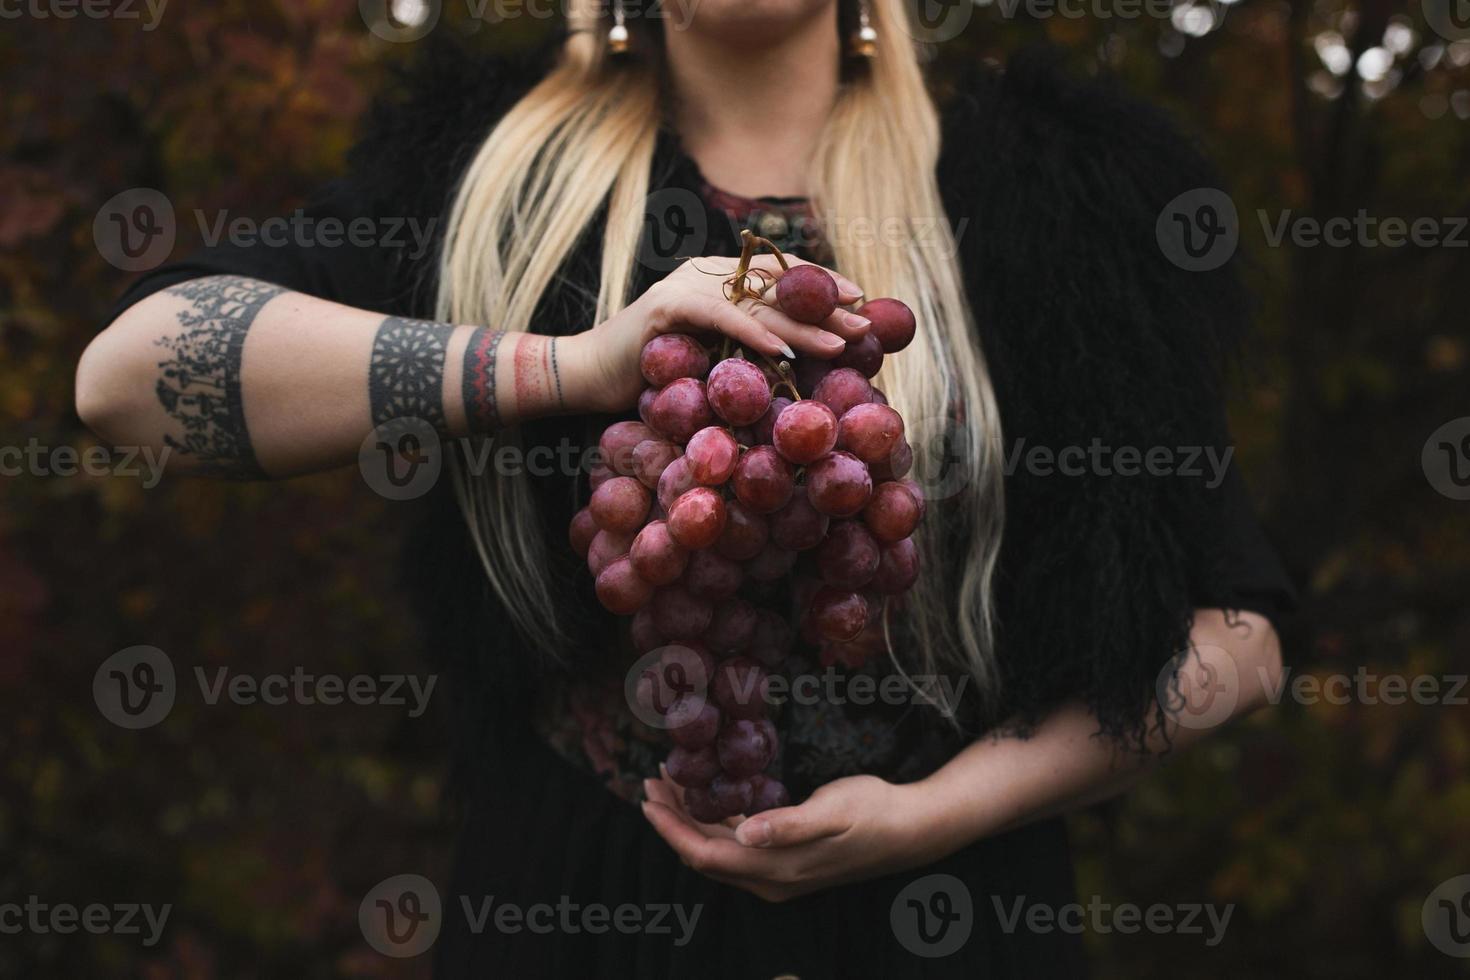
[{"x": 584, "y": 137}]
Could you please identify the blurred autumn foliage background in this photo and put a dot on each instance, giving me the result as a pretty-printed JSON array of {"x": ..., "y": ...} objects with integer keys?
[{"x": 1327, "y": 825}]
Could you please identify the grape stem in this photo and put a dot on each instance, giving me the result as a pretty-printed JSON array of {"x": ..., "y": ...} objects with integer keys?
[
  {"x": 739, "y": 290},
  {"x": 749, "y": 244}
]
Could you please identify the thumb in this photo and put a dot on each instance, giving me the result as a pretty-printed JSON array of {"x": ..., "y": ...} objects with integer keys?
[{"x": 787, "y": 826}]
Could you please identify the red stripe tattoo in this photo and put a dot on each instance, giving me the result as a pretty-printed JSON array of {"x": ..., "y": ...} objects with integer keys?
[{"x": 481, "y": 405}]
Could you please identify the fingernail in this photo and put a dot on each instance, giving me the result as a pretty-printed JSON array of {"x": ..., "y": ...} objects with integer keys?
[
  {"x": 833, "y": 342},
  {"x": 856, "y": 322},
  {"x": 754, "y": 833},
  {"x": 786, "y": 349}
]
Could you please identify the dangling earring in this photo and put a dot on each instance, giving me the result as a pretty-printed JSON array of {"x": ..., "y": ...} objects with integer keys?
[
  {"x": 617, "y": 35},
  {"x": 865, "y": 39}
]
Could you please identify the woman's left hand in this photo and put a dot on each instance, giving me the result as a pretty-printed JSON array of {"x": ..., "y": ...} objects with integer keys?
[{"x": 853, "y": 828}]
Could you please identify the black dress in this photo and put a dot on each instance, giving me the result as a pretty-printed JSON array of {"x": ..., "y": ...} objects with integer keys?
[{"x": 1093, "y": 337}]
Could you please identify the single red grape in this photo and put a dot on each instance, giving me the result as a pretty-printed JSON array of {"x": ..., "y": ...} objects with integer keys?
[
  {"x": 656, "y": 556},
  {"x": 672, "y": 356},
  {"x": 769, "y": 794},
  {"x": 712, "y": 453},
  {"x": 673, "y": 482},
  {"x": 839, "y": 614},
  {"x": 693, "y": 768},
  {"x": 645, "y": 634},
  {"x": 693, "y": 722},
  {"x": 620, "y": 505},
  {"x": 680, "y": 615},
  {"x": 744, "y": 748},
  {"x": 807, "y": 294},
  {"x": 584, "y": 528},
  {"x": 798, "y": 526},
  {"x": 848, "y": 558},
  {"x": 864, "y": 355},
  {"x": 606, "y": 545},
  {"x": 893, "y": 323},
  {"x": 804, "y": 431},
  {"x": 617, "y": 442},
  {"x": 650, "y": 458},
  {"x": 621, "y": 590},
  {"x": 898, "y": 568},
  {"x": 681, "y": 409},
  {"x": 896, "y": 464},
  {"x": 700, "y": 802},
  {"x": 838, "y": 484},
  {"x": 763, "y": 481},
  {"x": 730, "y": 795},
  {"x": 870, "y": 432},
  {"x": 892, "y": 512},
  {"x": 738, "y": 391},
  {"x": 697, "y": 518},
  {"x": 841, "y": 389}
]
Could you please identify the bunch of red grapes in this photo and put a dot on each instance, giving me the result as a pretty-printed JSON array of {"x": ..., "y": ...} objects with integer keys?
[{"x": 730, "y": 498}]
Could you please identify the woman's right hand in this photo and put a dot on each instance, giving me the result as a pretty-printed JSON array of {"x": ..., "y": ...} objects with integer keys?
[{"x": 602, "y": 363}]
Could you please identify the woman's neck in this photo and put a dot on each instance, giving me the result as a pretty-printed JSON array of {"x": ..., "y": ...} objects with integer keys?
[{"x": 751, "y": 114}]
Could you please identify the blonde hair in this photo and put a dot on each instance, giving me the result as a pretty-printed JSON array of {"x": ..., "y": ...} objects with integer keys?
[{"x": 585, "y": 136}]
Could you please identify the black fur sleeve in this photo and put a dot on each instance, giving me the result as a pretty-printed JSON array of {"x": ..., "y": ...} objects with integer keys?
[{"x": 1094, "y": 339}]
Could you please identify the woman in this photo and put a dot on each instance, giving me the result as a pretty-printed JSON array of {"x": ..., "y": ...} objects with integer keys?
[{"x": 1046, "y": 311}]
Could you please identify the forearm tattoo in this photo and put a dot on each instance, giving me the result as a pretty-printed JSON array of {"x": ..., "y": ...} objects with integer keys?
[
  {"x": 200, "y": 382},
  {"x": 406, "y": 372},
  {"x": 481, "y": 406},
  {"x": 534, "y": 372}
]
